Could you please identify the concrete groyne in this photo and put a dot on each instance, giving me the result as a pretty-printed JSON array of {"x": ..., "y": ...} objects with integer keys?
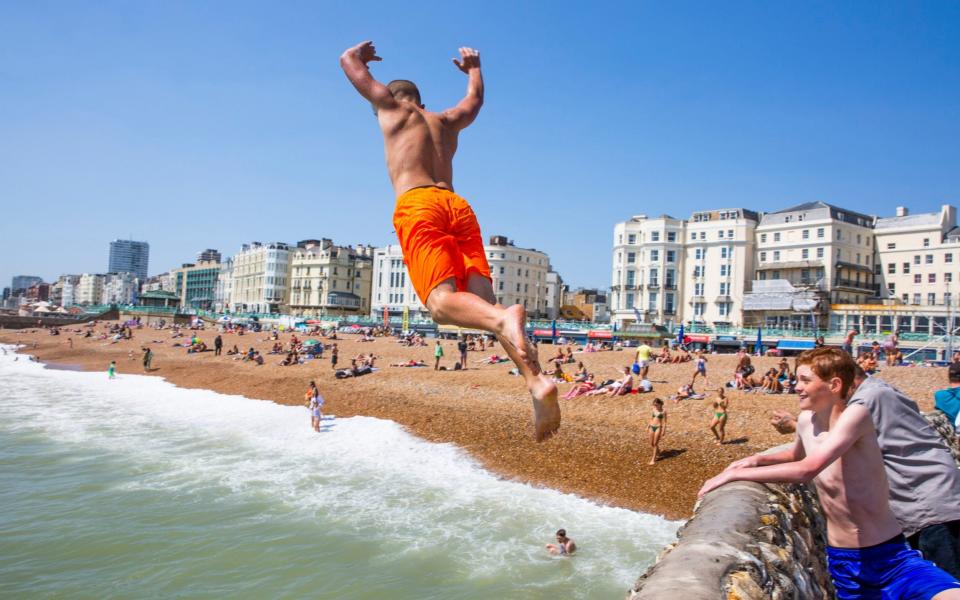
[{"x": 748, "y": 541}]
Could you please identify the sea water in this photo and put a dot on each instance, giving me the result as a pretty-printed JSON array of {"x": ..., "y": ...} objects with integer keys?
[{"x": 134, "y": 488}]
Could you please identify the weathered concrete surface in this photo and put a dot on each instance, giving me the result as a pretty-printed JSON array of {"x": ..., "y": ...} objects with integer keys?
[{"x": 748, "y": 541}]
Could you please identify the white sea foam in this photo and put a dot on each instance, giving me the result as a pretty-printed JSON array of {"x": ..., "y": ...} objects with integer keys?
[{"x": 360, "y": 474}]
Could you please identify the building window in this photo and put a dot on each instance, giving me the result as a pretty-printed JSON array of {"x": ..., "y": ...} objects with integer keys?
[
  {"x": 948, "y": 277},
  {"x": 631, "y": 258},
  {"x": 917, "y": 278},
  {"x": 805, "y": 254},
  {"x": 948, "y": 257},
  {"x": 703, "y": 235},
  {"x": 929, "y": 259},
  {"x": 671, "y": 236},
  {"x": 820, "y": 252},
  {"x": 696, "y": 271},
  {"x": 671, "y": 255},
  {"x": 931, "y": 278},
  {"x": 632, "y": 238},
  {"x": 500, "y": 285},
  {"x": 916, "y": 298},
  {"x": 820, "y": 233},
  {"x": 806, "y": 234},
  {"x": 893, "y": 288},
  {"x": 723, "y": 270},
  {"x": 724, "y": 308},
  {"x": 906, "y": 267},
  {"x": 891, "y": 246},
  {"x": 926, "y": 242},
  {"x": 629, "y": 301},
  {"x": 916, "y": 259},
  {"x": 763, "y": 238},
  {"x": 892, "y": 268},
  {"x": 630, "y": 277},
  {"x": 720, "y": 234},
  {"x": 723, "y": 288},
  {"x": 723, "y": 252},
  {"x": 654, "y": 255},
  {"x": 655, "y": 236},
  {"x": 947, "y": 299},
  {"x": 654, "y": 277},
  {"x": 652, "y": 301},
  {"x": 776, "y": 236},
  {"x": 730, "y": 233},
  {"x": 931, "y": 298},
  {"x": 693, "y": 235},
  {"x": 776, "y": 255}
]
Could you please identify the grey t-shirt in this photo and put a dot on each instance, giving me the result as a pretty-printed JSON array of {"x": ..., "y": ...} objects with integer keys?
[{"x": 924, "y": 479}]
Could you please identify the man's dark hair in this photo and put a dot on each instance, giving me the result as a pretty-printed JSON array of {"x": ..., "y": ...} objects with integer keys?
[
  {"x": 954, "y": 373},
  {"x": 562, "y": 532},
  {"x": 405, "y": 87}
]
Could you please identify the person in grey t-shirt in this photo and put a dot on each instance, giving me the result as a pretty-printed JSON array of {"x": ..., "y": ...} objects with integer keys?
[{"x": 924, "y": 478}]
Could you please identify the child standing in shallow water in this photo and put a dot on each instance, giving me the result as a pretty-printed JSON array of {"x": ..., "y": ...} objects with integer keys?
[
  {"x": 657, "y": 426},
  {"x": 112, "y": 370},
  {"x": 719, "y": 421}
]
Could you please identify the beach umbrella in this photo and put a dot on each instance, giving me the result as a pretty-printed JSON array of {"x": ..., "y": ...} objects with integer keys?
[
  {"x": 759, "y": 348},
  {"x": 41, "y": 309}
]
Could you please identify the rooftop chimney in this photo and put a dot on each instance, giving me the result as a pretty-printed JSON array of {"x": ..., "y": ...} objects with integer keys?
[{"x": 902, "y": 211}]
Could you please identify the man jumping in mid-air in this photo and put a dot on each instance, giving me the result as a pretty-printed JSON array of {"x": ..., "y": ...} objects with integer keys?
[{"x": 438, "y": 232}]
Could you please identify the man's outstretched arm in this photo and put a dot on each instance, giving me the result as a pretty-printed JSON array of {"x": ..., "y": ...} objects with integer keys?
[
  {"x": 461, "y": 115},
  {"x": 853, "y": 424},
  {"x": 354, "y": 61}
]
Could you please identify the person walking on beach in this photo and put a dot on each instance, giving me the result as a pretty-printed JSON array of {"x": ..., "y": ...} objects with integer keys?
[
  {"x": 314, "y": 405},
  {"x": 437, "y": 355},
  {"x": 147, "y": 358},
  {"x": 701, "y": 363},
  {"x": 643, "y": 360},
  {"x": 462, "y": 347},
  {"x": 837, "y": 449},
  {"x": 718, "y": 422},
  {"x": 334, "y": 352},
  {"x": 437, "y": 229},
  {"x": 657, "y": 426},
  {"x": 217, "y": 345},
  {"x": 112, "y": 370},
  {"x": 564, "y": 547}
]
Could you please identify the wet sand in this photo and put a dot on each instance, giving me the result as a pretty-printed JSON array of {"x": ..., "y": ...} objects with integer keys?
[{"x": 601, "y": 449}]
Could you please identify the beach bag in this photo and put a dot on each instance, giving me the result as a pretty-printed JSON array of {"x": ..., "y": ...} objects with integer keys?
[{"x": 948, "y": 401}]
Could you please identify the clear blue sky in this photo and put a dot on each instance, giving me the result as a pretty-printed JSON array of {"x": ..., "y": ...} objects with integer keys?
[{"x": 209, "y": 124}]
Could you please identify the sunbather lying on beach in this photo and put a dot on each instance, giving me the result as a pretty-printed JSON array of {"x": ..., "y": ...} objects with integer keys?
[
  {"x": 409, "y": 363},
  {"x": 581, "y": 388}
]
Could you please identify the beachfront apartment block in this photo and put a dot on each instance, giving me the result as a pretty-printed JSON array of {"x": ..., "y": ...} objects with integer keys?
[
  {"x": 63, "y": 290},
  {"x": 129, "y": 256},
  {"x": 196, "y": 283},
  {"x": 519, "y": 275},
  {"x": 120, "y": 288},
  {"x": 647, "y": 281},
  {"x": 89, "y": 288},
  {"x": 259, "y": 283},
  {"x": 224, "y": 285},
  {"x": 556, "y": 294},
  {"x": 918, "y": 275},
  {"x": 717, "y": 265},
  {"x": 391, "y": 289},
  {"x": 22, "y": 282},
  {"x": 329, "y": 280}
]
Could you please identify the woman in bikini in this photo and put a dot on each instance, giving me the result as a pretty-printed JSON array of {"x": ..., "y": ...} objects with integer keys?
[
  {"x": 657, "y": 426},
  {"x": 718, "y": 423}
]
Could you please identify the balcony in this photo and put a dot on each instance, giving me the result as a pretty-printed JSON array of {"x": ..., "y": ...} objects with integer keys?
[
  {"x": 653, "y": 285},
  {"x": 670, "y": 285},
  {"x": 669, "y": 312},
  {"x": 857, "y": 286},
  {"x": 697, "y": 299},
  {"x": 722, "y": 299}
]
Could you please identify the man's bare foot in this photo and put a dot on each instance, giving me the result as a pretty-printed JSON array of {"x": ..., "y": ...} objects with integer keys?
[
  {"x": 546, "y": 410},
  {"x": 653, "y": 461},
  {"x": 513, "y": 330}
]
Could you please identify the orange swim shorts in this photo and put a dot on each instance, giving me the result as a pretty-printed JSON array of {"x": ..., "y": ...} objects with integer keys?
[{"x": 440, "y": 238}]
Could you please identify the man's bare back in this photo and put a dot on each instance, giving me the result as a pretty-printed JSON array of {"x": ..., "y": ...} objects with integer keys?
[{"x": 419, "y": 144}]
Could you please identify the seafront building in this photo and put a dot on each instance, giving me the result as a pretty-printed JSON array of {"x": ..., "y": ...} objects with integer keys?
[
  {"x": 129, "y": 256},
  {"x": 260, "y": 274},
  {"x": 224, "y": 286},
  {"x": 391, "y": 290},
  {"x": 22, "y": 282},
  {"x": 556, "y": 294},
  {"x": 120, "y": 288},
  {"x": 809, "y": 266},
  {"x": 89, "y": 288},
  {"x": 330, "y": 280},
  {"x": 519, "y": 275},
  {"x": 647, "y": 266},
  {"x": 195, "y": 283},
  {"x": 717, "y": 266}
]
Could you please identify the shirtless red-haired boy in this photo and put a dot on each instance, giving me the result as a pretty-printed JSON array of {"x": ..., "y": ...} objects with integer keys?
[{"x": 437, "y": 229}]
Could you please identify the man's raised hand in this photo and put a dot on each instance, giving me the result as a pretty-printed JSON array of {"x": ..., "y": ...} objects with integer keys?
[
  {"x": 469, "y": 59},
  {"x": 366, "y": 52}
]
